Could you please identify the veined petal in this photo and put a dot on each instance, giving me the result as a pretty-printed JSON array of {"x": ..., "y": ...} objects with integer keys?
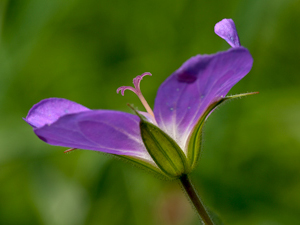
[
  {"x": 100, "y": 130},
  {"x": 185, "y": 95},
  {"x": 49, "y": 110},
  {"x": 226, "y": 30}
]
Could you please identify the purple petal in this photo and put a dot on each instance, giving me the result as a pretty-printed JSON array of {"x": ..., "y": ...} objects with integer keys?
[
  {"x": 49, "y": 110},
  {"x": 101, "y": 130},
  {"x": 226, "y": 30},
  {"x": 200, "y": 81}
]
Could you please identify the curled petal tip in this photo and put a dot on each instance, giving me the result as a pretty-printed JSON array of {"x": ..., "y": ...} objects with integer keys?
[
  {"x": 27, "y": 121},
  {"x": 49, "y": 110},
  {"x": 226, "y": 30}
]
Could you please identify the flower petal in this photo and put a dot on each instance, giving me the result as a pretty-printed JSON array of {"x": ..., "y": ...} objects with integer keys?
[
  {"x": 101, "y": 130},
  {"x": 185, "y": 95},
  {"x": 226, "y": 30},
  {"x": 49, "y": 110}
]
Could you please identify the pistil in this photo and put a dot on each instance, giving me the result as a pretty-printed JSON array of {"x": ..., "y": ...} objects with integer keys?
[{"x": 137, "y": 91}]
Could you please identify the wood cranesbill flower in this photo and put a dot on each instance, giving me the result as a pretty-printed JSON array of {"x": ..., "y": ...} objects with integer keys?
[{"x": 166, "y": 140}]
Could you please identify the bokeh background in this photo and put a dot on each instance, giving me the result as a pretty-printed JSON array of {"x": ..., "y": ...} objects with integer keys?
[{"x": 249, "y": 172}]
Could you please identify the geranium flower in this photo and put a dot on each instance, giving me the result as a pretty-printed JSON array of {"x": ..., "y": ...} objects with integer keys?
[{"x": 166, "y": 140}]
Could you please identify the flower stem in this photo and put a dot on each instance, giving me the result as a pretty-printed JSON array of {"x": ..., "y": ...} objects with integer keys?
[{"x": 190, "y": 190}]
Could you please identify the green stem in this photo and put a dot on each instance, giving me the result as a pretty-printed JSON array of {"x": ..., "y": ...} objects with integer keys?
[{"x": 190, "y": 190}]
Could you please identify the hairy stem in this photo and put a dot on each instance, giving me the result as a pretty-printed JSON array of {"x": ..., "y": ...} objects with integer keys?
[{"x": 191, "y": 192}]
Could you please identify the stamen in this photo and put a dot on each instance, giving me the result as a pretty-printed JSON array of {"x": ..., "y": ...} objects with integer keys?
[
  {"x": 146, "y": 105},
  {"x": 123, "y": 88},
  {"x": 137, "y": 91}
]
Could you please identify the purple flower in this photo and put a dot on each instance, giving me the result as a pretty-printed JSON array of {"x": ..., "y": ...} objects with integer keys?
[{"x": 182, "y": 104}]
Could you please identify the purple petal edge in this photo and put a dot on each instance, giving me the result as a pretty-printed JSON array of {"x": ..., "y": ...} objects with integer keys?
[
  {"x": 226, "y": 30},
  {"x": 49, "y": 110},
  {"x": 99, "y": 130},
  {"x": 203, "y": 79}
]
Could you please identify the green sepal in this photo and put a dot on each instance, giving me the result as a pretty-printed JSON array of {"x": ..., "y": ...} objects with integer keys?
[
  {"x": 195, "y": 138},
  {"x": 165, "y": 152},
  {"x": 146, "y": 166},
  {"x": 240, "y": 95}
]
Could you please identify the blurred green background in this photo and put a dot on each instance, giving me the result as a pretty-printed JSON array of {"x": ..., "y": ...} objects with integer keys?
[{"x": 249, "y": 172}]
